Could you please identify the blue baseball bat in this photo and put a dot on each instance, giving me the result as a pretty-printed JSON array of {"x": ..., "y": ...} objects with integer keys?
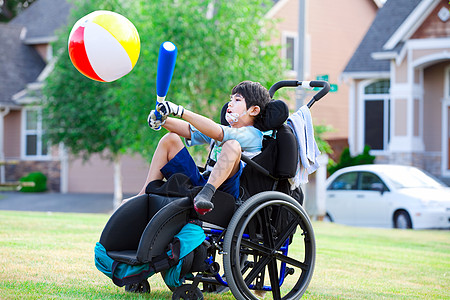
[{"x": 166, "y": 64}]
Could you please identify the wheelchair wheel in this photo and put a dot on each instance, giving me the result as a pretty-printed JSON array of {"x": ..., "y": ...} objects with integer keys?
[
  {"x": 186, "y": 292},
  {"x": 261, "y": 230},
  {"x": 141, "y": 287}
]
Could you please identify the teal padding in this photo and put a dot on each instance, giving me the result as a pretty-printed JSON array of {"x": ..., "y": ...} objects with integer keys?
[
  {"x": 104, "y": 264},
  {"x": 191, "y": 236},
  {"x": 102, "y": 261},
  {"x": 172, "y": 277}
]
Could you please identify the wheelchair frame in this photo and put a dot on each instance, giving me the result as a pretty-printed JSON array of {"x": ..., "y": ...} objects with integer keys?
[{"x": 254, "y": 245}]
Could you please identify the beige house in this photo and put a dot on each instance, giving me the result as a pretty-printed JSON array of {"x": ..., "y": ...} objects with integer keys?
[
  {"x": 333, "y": 30},
  {"x": 400, "y": 86}
]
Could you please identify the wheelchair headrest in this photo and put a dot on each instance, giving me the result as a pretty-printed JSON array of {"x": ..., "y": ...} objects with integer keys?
[{"x": 273, "y": 116}]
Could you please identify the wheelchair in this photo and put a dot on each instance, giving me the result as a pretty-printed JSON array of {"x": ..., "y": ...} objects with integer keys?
[{"x": 266, "y": 240}]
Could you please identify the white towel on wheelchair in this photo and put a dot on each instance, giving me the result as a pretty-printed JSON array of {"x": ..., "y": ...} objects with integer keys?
[{"x": 302, "y": 126}]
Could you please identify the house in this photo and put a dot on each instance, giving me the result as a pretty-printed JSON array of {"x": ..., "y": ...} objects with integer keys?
[
  {"x": 333, "y": 30},
  {"x": 399, "y": 79},
  {"x": 25, "y": 51},
  {"x": 24, "y": 64}
]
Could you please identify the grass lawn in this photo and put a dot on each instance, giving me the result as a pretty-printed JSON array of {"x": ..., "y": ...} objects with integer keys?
[{"x": 50, "y": 256}]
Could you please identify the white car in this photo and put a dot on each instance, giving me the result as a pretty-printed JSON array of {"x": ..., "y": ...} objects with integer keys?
[{"x": 387, "y": 196}]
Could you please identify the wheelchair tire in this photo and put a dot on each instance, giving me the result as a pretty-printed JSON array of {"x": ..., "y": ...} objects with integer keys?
[
  {"x": 265, "y": 247},
  {"x": 184, "y": 292},
  {"x": 141, "y": 287}
]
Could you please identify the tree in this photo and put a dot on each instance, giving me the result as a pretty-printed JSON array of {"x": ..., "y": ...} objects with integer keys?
[
  {"x": 10, "y": 8},
  {"x": 347, "y": 160},
  {"x": 220, "y": 43}
]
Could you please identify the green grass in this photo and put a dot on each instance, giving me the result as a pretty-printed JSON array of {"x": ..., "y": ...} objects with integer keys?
[{"x": 50, "y": 256}]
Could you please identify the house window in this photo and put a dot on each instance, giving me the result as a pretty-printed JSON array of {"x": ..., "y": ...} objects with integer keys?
[
  {"x": 377, "y": 115},
  {"x": 448, "y": 83},
  {"x": 34, "y": 146},
  {"x": 289, "y": 53}
]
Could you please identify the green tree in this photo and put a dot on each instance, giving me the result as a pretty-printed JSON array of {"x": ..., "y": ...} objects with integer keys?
[
  {"x": 220, "y": 43},
  {"x": 346, "y": 160},
  {"x": 10, "y": 8}
]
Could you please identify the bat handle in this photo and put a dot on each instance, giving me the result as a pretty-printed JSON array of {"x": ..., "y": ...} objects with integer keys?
[{"x": 157, "y": 114}]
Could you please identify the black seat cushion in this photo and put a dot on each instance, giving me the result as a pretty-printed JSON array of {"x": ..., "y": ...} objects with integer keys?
[
  {"x": 124, "y": 228},
  {"x": 179, "y": 185}
]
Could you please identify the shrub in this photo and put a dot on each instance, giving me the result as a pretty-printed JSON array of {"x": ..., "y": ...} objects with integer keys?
[
  {"x": 40, "y": 182},
  {"x": 346, "y": 160}
]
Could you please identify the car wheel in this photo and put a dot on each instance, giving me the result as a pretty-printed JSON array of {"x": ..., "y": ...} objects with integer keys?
[{"x": 402, "y": 220}]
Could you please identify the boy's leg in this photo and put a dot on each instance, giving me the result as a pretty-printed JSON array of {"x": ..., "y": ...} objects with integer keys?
[
  {"x": 226, "y": 166},
  {"x": 169, "y": 145}
]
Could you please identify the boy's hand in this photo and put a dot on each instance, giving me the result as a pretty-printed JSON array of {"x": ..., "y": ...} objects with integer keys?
[
  {"x": 153, "y": 122},
  {"x": 167, "y": 108}
]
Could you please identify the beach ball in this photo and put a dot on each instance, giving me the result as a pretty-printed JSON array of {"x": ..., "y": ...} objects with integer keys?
[{"x": 104, "y": 46}]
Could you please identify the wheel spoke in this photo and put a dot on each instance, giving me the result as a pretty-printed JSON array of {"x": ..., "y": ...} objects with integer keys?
[
  {"x": 274, "y": 283},
  {"x": 287, "y": 233},
  {"x": 267, "y": 232},
  {"x": 262, "y": 250},
  {"x": 291, "y": 261},
  {"x": 258, "y": 268}
]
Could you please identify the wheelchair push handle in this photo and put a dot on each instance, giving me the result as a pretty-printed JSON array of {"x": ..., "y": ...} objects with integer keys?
[{"x": 325, "y": 88}]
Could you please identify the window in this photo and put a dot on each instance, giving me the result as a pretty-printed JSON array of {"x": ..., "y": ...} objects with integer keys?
[
  {"x": 371, "y": 182},
  {"x": 448, "y": 83},
  {"x": 347, "y": 181},
  {"x": 290, "y": 53},
  {"x": 289, "y": 42},
  {"x": 377, "y": 115},
  {"x": 34, "y": 146},
  {"x": 378, "y": 87}
]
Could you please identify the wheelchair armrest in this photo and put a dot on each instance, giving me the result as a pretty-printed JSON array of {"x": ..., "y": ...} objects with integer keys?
[{"x": 257, "y": 167}]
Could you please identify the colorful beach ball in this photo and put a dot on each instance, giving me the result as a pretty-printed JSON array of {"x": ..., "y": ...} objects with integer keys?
[{"x": 104, "y": 46}]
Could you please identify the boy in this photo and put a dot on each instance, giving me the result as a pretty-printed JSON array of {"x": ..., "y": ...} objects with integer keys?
[{"x": 248, "y": 100}]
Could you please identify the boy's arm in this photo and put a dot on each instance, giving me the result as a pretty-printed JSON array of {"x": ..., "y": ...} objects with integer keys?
[
  {"x": 178, "y": 126},
  {"x": 206, "y": 126}
]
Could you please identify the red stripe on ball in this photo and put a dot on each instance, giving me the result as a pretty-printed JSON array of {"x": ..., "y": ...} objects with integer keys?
[{"x": 78, "y": 55}]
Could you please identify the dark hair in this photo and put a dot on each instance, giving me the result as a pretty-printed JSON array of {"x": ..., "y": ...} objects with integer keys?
[{"x": 254, "y": 94}]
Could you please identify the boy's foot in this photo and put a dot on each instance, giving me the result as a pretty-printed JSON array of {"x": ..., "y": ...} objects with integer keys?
[
  {"x": 202, "y": 202},
  {"x": 202, "y": 206}
]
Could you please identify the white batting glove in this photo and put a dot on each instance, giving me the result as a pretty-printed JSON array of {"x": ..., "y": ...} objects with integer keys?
[
  {"x": 167, "y": 108},
  {"x": 154, "y": 123}
]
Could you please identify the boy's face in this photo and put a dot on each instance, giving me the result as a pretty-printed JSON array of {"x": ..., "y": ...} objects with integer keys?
[{"x": 237, "y": 113}]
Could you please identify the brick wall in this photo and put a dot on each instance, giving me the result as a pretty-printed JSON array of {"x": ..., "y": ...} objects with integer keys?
[
  {"x": 51, "y": 169},
  {"x": 428, "y": 161}
]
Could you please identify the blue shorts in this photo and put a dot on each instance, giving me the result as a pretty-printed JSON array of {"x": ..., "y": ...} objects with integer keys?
[{"x": 183, "y": 163}]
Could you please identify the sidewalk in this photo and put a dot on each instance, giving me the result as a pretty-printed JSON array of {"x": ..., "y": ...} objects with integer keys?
[{"x": 56, "y": 202}]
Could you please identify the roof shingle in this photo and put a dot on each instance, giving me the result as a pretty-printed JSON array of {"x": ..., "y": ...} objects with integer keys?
[
  {"x": 388, "y": 19},
  {"x": 41, "y": 19},
  {"x": 19, "y": 64}
]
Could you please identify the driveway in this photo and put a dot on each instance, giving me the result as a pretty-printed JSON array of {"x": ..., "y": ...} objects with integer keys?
[{"x": 56, "y": 202}]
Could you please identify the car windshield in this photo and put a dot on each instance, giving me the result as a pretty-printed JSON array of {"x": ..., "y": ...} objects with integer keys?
[{"x": 412, "y": 178}]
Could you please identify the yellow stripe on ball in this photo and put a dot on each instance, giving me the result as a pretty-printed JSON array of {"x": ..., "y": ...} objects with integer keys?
[{"x": 123, "y": 31}]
